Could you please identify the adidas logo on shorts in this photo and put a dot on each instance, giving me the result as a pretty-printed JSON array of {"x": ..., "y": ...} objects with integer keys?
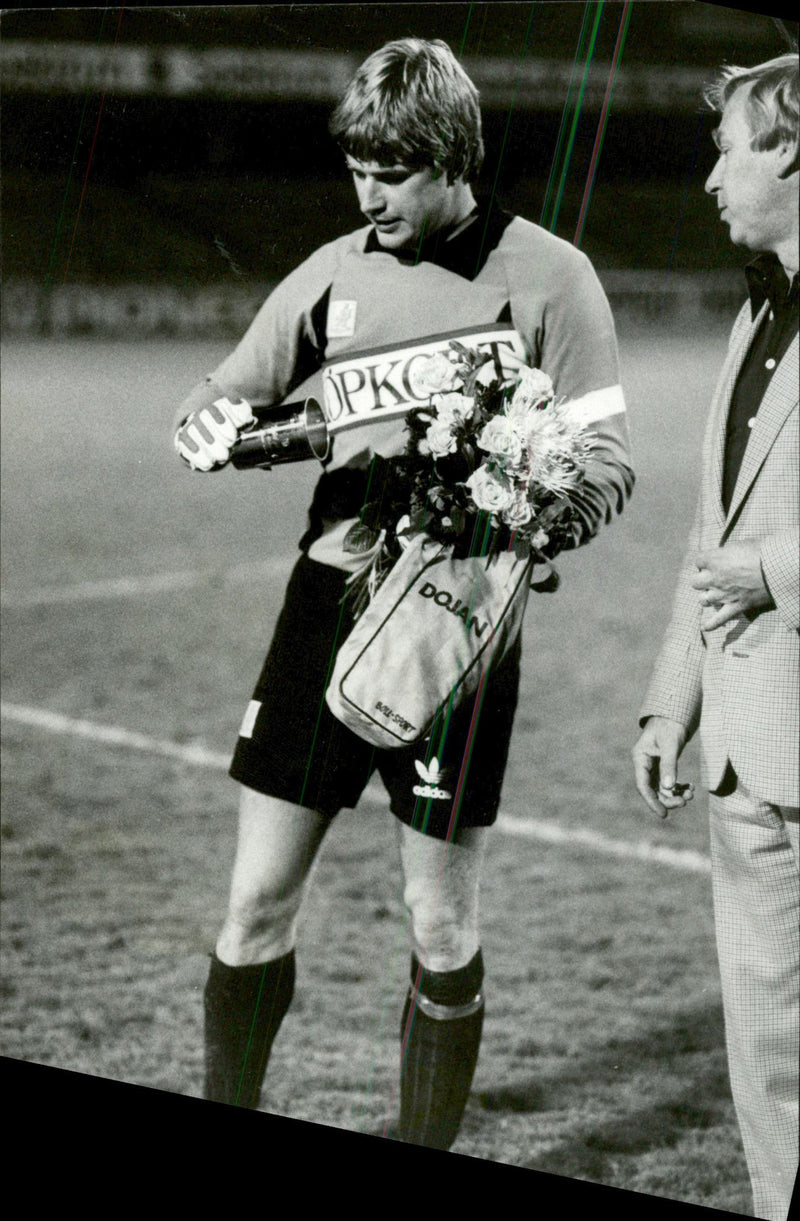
[{"x": 431, "y": 775}]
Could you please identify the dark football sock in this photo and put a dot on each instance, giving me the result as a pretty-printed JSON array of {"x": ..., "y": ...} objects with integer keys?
[
  {"x": 440, "y": 1037},
  {"x": 244, "y": 1007}
]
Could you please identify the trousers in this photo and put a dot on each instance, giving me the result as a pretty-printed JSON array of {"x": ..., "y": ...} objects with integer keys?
[{"x": 756, "y": 887}]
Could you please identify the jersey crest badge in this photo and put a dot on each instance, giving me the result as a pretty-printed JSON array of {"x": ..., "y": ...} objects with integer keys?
[
  {"x": 341, "y": 319},
  {"x": 431, "y": 777}
]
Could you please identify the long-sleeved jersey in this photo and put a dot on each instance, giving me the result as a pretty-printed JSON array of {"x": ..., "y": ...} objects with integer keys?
[{"x": 353, "y": 318}]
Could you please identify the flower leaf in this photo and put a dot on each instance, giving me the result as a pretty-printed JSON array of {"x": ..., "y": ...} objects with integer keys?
[
  {"x": 553, "y": 511},
  {"x": 458, "y": 519},
  {"x": 419, "y": 520},
  {"x": 359, "y": 539}
]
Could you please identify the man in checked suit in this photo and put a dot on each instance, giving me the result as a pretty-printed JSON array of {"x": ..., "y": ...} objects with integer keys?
[{"x": 729, "y": 661}]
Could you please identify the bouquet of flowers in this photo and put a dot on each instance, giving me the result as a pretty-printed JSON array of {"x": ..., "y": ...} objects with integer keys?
[{"x": 491, "y": 464}]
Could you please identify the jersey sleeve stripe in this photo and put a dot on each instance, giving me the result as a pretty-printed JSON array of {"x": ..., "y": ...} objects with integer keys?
[{"x": 598, "y": 405}]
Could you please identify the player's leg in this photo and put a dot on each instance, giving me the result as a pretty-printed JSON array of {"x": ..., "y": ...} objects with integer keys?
[
  {"x": 443, "y": 1015},
  {"x": 755, "y": 855},
  {"x": 445, "y": 795},
  {"x": 251, "y": 979},
  {"x": 292, "y": 759}
]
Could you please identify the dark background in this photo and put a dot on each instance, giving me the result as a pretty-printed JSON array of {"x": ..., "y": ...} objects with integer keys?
[{"x": 104, "y": 188}]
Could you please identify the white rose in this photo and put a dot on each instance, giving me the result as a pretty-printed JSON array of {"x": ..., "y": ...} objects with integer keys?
[
  {"x": 518, "y": 513},
  {"x": 533, "y": 387},
  {"x": 440, "y": 439},
  {"x": 453, "y": 408},
  {"x": 499, "y": 437},
  {"x": 490, "y": 490},
  {"x": 431, "y": 375}
]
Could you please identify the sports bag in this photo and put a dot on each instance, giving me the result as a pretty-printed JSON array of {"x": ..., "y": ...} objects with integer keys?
[{"x": 432, "y": 630}]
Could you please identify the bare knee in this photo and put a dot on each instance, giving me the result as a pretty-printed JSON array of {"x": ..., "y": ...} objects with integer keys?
[
  {"x": 259, "y": 925},
  {"x": 441, "y": 894},
  {"x": 445, "y": 934},
  {"x": 276, "y": 848}
]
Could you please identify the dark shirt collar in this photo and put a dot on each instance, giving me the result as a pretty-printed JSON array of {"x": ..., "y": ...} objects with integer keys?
[
  {"x": 766, "y": 281},
  {"x": 463, "y": 252}
]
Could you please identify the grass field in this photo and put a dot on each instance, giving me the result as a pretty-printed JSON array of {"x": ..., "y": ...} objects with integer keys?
[{"x": 138, "y": 598}]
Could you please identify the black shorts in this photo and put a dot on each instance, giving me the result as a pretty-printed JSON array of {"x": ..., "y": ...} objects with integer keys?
[{"x": 293, "y": 748}]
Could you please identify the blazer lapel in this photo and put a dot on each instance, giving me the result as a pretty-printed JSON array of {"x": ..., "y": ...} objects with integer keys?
[
  {"x": 719, "y": 414},
  {"x": 781, "y": 397}
]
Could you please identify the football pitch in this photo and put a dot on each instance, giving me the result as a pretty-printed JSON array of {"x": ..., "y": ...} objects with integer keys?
[{"x": 138, "y": 599}]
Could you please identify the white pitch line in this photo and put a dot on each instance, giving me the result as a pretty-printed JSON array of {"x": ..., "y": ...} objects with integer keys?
[
  {"x": 126, "y": 587},
  {"x": 54, "y": 722},
  {"x": 201, "y": 756},
  {"x": 554, "y": 833}
]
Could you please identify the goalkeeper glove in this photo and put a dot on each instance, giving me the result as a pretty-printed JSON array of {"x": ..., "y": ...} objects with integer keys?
[{"x": 206, "y": 437}]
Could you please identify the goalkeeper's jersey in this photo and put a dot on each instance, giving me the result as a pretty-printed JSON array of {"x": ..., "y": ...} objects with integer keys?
[{"x": 350, "y": 322}]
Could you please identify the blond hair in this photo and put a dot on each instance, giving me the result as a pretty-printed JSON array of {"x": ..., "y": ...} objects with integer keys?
[
  {"x": 411, "y": 103},
  {"x": 772, "y": 107}
]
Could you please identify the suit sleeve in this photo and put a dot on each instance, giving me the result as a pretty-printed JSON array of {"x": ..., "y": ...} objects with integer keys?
[
  {"x": 675, "y": 688},
  {"x": 780, "y": 564}
]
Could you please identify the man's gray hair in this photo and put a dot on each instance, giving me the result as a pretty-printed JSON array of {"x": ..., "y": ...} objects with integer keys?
[
  {"x": 772, "y": 106},
  {"x": 411, "y": 103}
]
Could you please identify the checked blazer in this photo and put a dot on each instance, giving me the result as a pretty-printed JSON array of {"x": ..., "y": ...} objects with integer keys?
[{"x": 741, "y": 682}]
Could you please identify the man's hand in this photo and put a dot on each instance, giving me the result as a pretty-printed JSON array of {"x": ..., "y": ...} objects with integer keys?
[
  {"x": 206, "y": 437},
  {"x": 731, "y": 583},
  {"x": 655, "y": 765}
]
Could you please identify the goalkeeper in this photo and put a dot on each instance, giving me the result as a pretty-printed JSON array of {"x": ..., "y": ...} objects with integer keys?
[{"x": 433, "y": 261}]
